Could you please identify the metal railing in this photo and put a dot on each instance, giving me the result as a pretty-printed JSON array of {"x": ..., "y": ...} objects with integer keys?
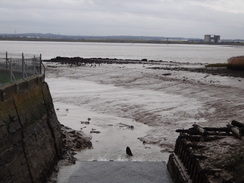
[{"x": 15, "y": 67}]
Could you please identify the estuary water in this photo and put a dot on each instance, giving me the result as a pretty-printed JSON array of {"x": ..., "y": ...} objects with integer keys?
[{"x": 165, "y": 52}]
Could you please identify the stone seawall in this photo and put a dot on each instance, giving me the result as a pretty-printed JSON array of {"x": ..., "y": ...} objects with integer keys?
[{"x": 30, "y": 135}]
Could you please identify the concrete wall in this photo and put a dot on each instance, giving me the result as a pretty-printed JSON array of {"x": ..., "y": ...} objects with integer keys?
[{"x": 30, "y": 135}]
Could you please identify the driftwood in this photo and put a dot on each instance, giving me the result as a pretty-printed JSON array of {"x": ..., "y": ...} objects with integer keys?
[
  {"x": 223, "y": 129},
  {"x": 199, "y": 156},
  {"x": 207, "y": 131},
  {"x": 127, "y": 126},
  {"x": 212, "y": 137},
  {"x": 189, "y": 131},
  {"x": 194, "y": 146},
  {"x": 199, "y": 129},
  {"x": 234, "y": 130},
  {"x": 192, "y": 150},
  {"x": 196, "y": 138},
  {"x": 241, "y": 130},
  {"x": 237, "y": 124},
  {"x": 210, "y": 171}
]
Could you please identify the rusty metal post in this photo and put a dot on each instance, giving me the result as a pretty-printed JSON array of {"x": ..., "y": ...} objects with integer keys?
[
  {"x": 23, "y": 66},
  {"x": 6, "y": 60},
  {"x": 11, "y": 71},
  {"x": 40, "y": 64}
]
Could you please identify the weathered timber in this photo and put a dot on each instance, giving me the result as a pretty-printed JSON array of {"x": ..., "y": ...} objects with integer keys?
[
  {"x": 195, "y": 146},
  {"x": 223, "y": 129},
  {"x": 199, "y": 129},
  {"x": 198, "y": 151},
  {"x": 241, "y": 130},
  {"x": 198, "y": 138},
  {"x": 190, "y": 131},
  {"x": 208, "y": 131},
  {"x": 199, "y": 156},
  {"x": 234, "y": 130},
  {"x": 237, "y": 124},
  {"x": 210, "y": 171}
]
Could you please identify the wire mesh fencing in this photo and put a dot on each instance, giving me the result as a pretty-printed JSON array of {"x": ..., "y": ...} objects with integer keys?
[{"x": 14, "y": 67}]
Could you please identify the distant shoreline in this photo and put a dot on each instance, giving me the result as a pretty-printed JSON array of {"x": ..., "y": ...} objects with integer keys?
[{"x": 123, "y": 41}]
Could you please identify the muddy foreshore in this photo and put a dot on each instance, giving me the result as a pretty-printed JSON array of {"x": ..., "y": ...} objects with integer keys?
[
  {"x": 165, "y": 65},
  {"x": 212, "y": 96}
]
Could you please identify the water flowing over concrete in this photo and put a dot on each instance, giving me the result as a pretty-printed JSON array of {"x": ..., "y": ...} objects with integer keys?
[{"x": 119, "y": 172}]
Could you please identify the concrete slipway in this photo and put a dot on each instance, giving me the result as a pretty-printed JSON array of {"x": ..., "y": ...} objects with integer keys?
[{"x": 119, "y": 172}]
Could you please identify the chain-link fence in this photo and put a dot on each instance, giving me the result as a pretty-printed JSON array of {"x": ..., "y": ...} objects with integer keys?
[{"x": 14, "y": 67}]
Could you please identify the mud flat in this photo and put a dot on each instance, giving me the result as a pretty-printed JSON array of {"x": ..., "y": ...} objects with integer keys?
[{"x": 156, "y": 97}]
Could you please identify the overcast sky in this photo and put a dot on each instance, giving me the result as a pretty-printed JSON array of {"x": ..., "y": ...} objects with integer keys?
[{"x": 166, "y": 18}]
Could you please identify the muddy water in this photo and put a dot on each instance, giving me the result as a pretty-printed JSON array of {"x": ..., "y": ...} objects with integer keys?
[{"x": 110, "y": 133}]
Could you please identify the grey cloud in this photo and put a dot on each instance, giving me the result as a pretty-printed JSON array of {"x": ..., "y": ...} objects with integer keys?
[{"x": 187, "y": 18}]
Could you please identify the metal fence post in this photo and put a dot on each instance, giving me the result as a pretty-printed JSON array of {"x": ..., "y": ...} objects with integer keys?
[
  {"x": 11, "y": 71},
  {"x": 34, "y": 65},
  {"x": 40, "y": 64},
  {"x": 20, "y": 68},
  {"x": 23, "y": 66},
  {"x": 6, "y": 60}
]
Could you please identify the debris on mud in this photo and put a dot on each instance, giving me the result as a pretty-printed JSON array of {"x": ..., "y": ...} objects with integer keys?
[
  {"x": 207, "y": 154},
  {"x": 73, "y": 141}
]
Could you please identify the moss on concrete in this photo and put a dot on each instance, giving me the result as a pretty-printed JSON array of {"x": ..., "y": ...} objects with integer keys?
[{"x": 30, "y": 134}]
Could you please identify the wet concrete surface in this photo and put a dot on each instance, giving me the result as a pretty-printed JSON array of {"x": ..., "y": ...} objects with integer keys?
[{"x": 120, "y": 172}]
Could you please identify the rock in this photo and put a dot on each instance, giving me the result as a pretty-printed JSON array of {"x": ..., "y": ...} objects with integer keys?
[
  {"x": 167, "y": 74},
  {"x": 95, "y": 131},
  {"x": 85, "y": 122},
  {"x": 128, "y": 151}
]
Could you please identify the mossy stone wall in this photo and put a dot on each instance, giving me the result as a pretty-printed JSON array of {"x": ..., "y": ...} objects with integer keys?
[{"x": 30, "y": 135}]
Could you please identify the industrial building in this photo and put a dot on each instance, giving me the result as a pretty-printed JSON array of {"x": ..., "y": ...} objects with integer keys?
[{"x": 212, "y": 38}]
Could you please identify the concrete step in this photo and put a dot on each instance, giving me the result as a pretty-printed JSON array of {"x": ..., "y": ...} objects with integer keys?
[{"x": 120, "y": 172}]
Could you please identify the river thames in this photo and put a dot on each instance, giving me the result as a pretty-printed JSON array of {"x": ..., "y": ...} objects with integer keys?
[{"x": 165, "y": 52}]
